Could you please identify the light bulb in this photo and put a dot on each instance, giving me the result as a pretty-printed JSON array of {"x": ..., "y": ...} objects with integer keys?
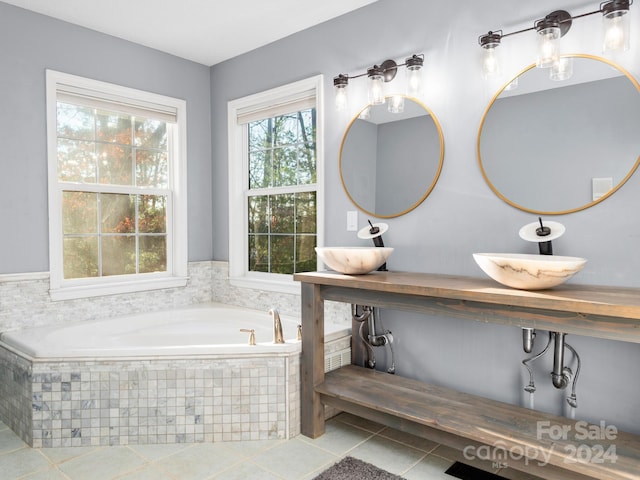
[
  {"x": 512, "y": 85},
  {"x": 396, "y": 104},
  {"x": 376, "y": 85},
  {"x": 340, "y": 89},
  {"x": 414, "y": 80},
  {"x": 490, "y": 56},
  {"x": 616, "y": 33},
  {"x": 562, "y": 69},
  {"x": 490, "y": 62},
  {"x": 414, "y": 84},
  {"x": 548, "y": 47},
  {"x": 342, "y": 100}
]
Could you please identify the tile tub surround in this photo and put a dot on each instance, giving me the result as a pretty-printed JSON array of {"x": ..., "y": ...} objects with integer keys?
[
  {"x": 152, "y": 401},
  {"x": 25, "y": 301}
]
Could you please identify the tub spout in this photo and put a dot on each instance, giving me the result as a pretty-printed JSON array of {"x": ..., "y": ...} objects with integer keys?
[{"x": 278, "y": 337}]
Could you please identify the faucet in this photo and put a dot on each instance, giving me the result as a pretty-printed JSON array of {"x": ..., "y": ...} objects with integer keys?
[
  {"x": 374, "y": 232},
  {"x": 278, "y": 337},
  {"x": 542, "y": 234},
  {"x": 544, "y": 248}
]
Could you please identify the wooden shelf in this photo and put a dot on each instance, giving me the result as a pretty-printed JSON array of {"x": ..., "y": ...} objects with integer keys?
[
  {"x": 460, "y": 419},
  {"x": 380, "y": 397}
]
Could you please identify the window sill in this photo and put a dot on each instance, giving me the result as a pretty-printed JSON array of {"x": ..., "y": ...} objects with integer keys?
[{"x": 86, "y": 291}]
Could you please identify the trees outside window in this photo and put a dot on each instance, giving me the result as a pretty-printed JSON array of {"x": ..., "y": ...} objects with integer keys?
[
  {"x": 275, "y": 165},
  {"x": 116, "y": 170},
  {"x": 282, "y": 223}
]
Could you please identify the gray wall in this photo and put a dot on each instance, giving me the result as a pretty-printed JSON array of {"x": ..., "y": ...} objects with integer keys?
[
  {"x": 462, "y": 215},
  {"x": 31, "y": 43}
]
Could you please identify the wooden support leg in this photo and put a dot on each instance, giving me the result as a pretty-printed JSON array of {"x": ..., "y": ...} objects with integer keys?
[{"x": 312, "y": 364}]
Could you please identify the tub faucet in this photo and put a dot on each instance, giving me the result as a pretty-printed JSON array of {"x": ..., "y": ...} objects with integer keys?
[{"x": 278, "y": 337}]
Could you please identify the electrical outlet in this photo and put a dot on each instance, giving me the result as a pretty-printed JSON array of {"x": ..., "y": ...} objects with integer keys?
[{"x": 352, "y": 221}]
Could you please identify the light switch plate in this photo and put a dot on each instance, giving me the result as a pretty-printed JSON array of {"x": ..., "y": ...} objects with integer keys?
[
  {"x": 352, "y": 221},
  {"x": 601, "y": 186}
]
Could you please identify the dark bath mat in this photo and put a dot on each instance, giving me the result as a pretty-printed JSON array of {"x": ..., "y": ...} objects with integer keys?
[
  {"x": 467, "y": 472},
  {"x": 350, "y": 468}
]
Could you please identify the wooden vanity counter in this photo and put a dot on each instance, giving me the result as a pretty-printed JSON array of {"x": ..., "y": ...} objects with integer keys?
[{"x": 418, "y": 408}]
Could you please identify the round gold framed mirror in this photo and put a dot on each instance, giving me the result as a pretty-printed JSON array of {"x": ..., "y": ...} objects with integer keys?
[
  {"x": 555, "y": 147},
  {"x": 390, "y": 162}
]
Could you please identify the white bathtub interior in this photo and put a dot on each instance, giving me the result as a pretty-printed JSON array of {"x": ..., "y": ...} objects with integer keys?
[{"x": 196, "y": 330}]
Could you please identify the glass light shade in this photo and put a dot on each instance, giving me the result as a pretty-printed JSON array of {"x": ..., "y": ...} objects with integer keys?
[
  {"x": 490, "y": 60},
  {"x": 396, "y": 104},
  {"x": 548, "y": 47},
  {"x": 562, "y": 69},
  {"x": 376, "y": 89},
  {"x": 365, "y": 114},
  {"x": 616, "y": 31},
  {"x": 414, "y": 81},
  {"x": 341, "y": 97},
  {"x": 512, "y": 85}
]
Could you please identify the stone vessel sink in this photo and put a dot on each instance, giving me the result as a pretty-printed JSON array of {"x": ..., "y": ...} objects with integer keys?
[
  {"x": 528, "y": 272},
  {"x": 354, "y": 260}
]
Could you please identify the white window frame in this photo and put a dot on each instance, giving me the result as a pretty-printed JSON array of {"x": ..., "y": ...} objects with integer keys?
[
  {"x": 239, "y": 274},
  {"x": 177, "y": 258}
]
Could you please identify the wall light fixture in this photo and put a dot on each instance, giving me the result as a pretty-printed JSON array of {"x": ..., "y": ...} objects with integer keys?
[
  {"x": 377, "y": 76},
  {"x": 554, "y": 26}
]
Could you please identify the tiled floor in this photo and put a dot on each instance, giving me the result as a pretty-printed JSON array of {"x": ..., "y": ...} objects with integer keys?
[{"x": 297, "y": 459}]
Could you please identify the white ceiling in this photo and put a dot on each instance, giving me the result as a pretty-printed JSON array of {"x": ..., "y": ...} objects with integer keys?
[{"x": 205, "y": 31}]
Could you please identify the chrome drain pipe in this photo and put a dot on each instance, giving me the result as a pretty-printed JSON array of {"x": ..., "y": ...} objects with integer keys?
[
  {"x": 371, "y": 315},
  {"x": 561, "y": 375}
]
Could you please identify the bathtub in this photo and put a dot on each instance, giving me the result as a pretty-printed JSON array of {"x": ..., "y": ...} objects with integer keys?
[
  {"x": 185, "y": 375},
  {"x": 209, "y": 329}
]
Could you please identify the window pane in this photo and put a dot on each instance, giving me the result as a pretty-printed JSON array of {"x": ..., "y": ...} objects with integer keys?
[
  {"x": 258, "y": 253},
  {"x": 306, "y": 173},
  {"x": 118, "y": 255},
  {"x": 76, "y": 161},
  {"x": 285, "y": 130},
  {"x": 152, "y": 214},
  {"x": 284, "y": 166},
  {"x": 306, "y": 212},
  {"x": 305, "y": 253},
  {"x": 74, "y": 121},
  {"x": 153, "y": 254},
  {"x": 117, "y": 213},
  {"x": 307, "y": 125},
  {"x": 113, "y": 127},
  {"x": 115, "y": 164},
  {"x": 258, "y": 214},
  {"x": 260, "y": 168},
  {"x": 260, "y": 134},
  {"x": 282, "y": 227},
  {"x": 151, "y": 133},
  {"x": 282, "y": 213},
  {"x": 79, "y": 213},
  {"x": 151, "y": 169},
  {"x": 282, "y": 253},
  {"x": 80, "y": 257}
]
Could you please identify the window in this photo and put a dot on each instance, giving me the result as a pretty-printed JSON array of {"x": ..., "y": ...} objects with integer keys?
[
  {"x": 275, "y": 168},
  {"x": 117, "y": 188}
]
